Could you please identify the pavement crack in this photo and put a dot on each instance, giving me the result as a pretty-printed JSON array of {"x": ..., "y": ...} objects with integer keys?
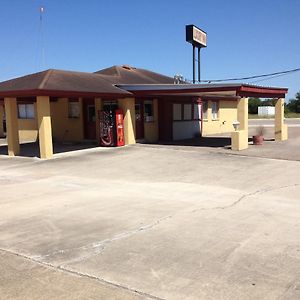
[
  {"x": 81, "y": 274},
  {"x": 99, "y": 246},
  {"x": 243, "y": 197}
]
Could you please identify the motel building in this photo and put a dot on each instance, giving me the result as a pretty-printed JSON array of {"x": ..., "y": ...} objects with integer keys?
[{"x": 63, "y": 106}]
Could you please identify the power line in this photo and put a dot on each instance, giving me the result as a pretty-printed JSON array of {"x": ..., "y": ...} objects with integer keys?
[{"x": 271, "y": 75}]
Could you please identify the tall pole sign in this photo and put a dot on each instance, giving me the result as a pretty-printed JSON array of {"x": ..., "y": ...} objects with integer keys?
[{"x": 196, "y": 37}]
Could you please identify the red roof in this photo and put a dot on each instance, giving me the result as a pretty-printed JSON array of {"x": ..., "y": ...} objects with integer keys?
[
  {"x": 121, "y": 81},
  {"x": 60, "y": 83},
  {"x": 130, "y": 75}
]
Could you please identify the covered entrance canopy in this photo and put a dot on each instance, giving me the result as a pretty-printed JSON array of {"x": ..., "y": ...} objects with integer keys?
[{"x": 168, "y": 95}]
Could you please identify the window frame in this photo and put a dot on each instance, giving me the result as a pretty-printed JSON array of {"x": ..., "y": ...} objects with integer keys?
[
  {"x": 28, "y": 115},
  {"x": 177, "y": 112},
  {"x": 190, "y": 112},
  {"x": 181, "y": 116},
  {"x": 148, "y": 118},
  {"x": 77, "y": 114},
  {"x": 215, "y": 114},
  {"x": 205, "y": 110}
]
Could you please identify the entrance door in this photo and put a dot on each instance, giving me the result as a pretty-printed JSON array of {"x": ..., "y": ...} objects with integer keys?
[
  {"x": 89, "y": 119},
  {"x": 139, "y": 119}
]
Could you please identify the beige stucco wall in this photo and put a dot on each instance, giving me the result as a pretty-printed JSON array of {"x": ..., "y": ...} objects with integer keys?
[
  {"x": 151, "y": 128},
  {"x": 63, "y": 127},
  {"x": 28, "y": 128},
  {"x": 227, "y": 114}
]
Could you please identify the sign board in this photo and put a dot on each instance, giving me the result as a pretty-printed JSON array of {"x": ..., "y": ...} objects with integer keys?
[{"x": 195, "y": 36}]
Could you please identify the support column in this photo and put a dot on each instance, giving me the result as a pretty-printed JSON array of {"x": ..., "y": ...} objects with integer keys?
[
  {"x": 281, "y": 130},
  {"x": 128, "y": 107},
  {"x": 12, "y": 130},
  {"x": 1, "y": 121},
  {"x": 44, "y": 125},
  {"x": 98, "y": 107},
  {"x": 239, "y": 138}
]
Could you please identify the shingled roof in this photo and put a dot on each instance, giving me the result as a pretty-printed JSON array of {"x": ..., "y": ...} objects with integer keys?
[
  {"x": 130, "y": 75},
  {"x": 60, "y": 83}
]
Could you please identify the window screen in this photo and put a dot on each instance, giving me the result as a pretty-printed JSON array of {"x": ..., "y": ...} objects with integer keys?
[
  {"x": 187, "y": 111},
  {"x": 205, "y": 108},
  {"x": 26, "y": 111},
  {"x": 91, "y": 116},
  {"x": 215, "y": 110},
  {"x": 148, "y": 111},
  {"x": 74, "y": 110},
  {"x": 177, "y": 112}
]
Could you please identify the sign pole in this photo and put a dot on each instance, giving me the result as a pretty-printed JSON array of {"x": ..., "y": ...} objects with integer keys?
[
  {"x": 194, "y": 71},
  {"x": 199, "y": 48},
  {"x": 196, "y": 37}
]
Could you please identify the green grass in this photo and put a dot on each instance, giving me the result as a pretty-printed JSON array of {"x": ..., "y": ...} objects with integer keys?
[
  {"x": 287, "y": 115},
  {"x": 251, "y": 116},
  {"x": 292, "y": 115}
]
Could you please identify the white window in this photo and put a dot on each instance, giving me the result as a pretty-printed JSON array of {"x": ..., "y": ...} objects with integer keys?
[
  {"x": 148, "y": 111},
  {"x": 74, "y": 110},
  {"x": 26, "y": 111},
  {"x": 215, "y": 110},
  {"x": 187, "y": 111},
  {"x": 177, "y": 112}
]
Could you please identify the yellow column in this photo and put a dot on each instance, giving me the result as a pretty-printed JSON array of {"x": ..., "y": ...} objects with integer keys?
[
  {"x": 12, "y": 130},
  {"x": 128, "y": 107},
  {"x": 44, "y": 124},
  {"x": 98, "y": 107},
  {"x": 242, "y": 113},
  {"x": 1, "y": 121},
  {"x": 239, "y": 138},
  {"x": 281, "y": 130}
]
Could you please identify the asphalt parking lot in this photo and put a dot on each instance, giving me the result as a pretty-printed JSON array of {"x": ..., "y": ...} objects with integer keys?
[{"x": 144, "y": 222}]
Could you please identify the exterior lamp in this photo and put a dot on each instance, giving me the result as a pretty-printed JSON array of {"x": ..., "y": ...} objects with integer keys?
[{"x": 236, "y": 125}]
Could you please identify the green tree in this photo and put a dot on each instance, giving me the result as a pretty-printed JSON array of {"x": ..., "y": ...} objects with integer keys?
[
  {"x": 268, "y": 102},
  {"x": 253, "y": 105},
  {"x": 294, "y": 104}
]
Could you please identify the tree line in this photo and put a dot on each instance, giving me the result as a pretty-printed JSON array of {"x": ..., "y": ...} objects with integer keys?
[{"x": 292, "y": 106}]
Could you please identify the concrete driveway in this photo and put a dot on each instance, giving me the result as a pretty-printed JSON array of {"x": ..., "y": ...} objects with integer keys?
[{"x": 145, "y": 222}]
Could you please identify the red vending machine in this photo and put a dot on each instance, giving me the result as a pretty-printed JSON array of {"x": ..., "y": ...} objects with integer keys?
[
  {"x": 119, "y": 128},
  {"x": 111, "y": 128}
]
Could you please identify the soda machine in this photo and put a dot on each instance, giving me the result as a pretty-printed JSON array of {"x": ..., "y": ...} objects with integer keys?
[{"x": 111, "y": 128}]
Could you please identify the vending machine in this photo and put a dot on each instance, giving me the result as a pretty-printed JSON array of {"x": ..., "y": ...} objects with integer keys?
[{"x": 111, "y": 128}]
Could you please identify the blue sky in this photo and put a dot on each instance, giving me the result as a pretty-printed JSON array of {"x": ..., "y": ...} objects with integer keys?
[{"x": 244, "y": 37}]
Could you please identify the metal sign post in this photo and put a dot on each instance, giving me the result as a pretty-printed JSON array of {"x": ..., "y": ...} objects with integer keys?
[
  {"x": 196, "y": 37},
  {"x": 194, "y": 71}
]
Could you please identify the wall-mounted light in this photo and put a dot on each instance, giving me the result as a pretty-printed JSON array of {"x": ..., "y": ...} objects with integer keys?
[{"x": 236, "y": 125}]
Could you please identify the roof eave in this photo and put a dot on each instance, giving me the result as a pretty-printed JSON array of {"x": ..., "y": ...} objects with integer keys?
[
  {"x": 262, "y": 92},
  {"x": 61, "y": 93}
]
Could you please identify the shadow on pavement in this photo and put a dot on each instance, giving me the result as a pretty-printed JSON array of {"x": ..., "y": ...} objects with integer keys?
[
  {"x": 212, "y": 141},
  {"x": 32, "y": 149}
]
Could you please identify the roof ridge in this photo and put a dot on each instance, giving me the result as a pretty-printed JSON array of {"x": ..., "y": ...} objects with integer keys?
[{"x": 45, "y": 79}]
